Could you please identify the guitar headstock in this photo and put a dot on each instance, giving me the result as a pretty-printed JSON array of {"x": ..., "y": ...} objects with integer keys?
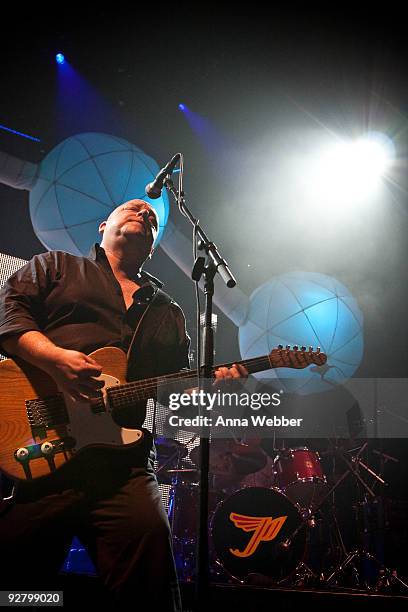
[{"x": 295, "y": 357}]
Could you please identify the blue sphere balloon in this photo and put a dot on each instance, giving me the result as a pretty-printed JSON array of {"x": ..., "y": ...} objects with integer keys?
[
  {"x": 305, "y": 308},
  {"x": 81, "y": 181}
]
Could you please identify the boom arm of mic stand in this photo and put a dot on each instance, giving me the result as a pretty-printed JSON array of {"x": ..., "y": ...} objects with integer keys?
[{"x": 209, "y": 247}]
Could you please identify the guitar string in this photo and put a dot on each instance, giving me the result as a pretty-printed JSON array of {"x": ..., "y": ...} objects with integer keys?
[
  {"x": 152, "y": 383},
  {"x": 141, "y": 389}
]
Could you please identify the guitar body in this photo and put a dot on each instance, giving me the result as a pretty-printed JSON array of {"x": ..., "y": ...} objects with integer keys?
[{"x": 76, "y": 431}]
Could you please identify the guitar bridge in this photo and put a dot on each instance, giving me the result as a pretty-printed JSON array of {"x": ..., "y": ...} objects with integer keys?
[{"x": 45, "y": 450}]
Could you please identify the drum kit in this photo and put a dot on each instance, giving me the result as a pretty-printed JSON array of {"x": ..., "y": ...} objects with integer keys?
[
  {"x": 262, "y": 508},
  {"x": 273, "y": 514}
]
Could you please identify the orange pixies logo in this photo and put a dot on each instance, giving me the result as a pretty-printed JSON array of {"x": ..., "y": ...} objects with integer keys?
[{"x": 265, "y": 529}]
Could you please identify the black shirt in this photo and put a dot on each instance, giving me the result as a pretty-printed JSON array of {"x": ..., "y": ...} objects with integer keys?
[{"x": 78, "y": 304}]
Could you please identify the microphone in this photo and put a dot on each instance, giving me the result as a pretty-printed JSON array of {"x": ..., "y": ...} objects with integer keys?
[{"x": 154, "y": 189}]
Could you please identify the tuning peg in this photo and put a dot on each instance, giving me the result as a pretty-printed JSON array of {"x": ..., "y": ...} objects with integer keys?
[
  {"x": 295, "y": 347},
  {"x": 280, "y": 346},
  {"x": 303, "y": 348}
]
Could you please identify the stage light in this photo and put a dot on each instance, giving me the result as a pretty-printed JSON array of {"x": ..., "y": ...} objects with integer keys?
[
  {"x": 60, "y": 59},
  {"x": 7, "y": 129},
  {"x": 182, "y": 107},
  {"x": 351, "y": 171}
]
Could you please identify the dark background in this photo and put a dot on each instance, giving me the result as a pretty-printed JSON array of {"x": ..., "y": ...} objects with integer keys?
[{"x": 263, "y": 81}]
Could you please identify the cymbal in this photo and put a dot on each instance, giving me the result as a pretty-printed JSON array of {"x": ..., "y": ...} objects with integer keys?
[
  {"x": 168, "y": 455},
  {"x": 166, "y": 447},
  {"x": 190, "y": 475},
  {"x": 231, "y": 458}
]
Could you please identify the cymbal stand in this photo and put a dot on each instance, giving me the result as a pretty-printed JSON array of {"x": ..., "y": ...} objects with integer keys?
[
  {"x": 388, "y": 573},
  {"x": 177, "y": 452},
  {"x": 360, "y": 554},
  {"x": 309, "y": 513}
]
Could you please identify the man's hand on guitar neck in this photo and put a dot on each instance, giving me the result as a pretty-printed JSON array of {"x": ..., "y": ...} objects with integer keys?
[
  {"x": 72, "y": 371},
  {"x": 223, "y": 374},
  {"x": 236, "y": 371}
]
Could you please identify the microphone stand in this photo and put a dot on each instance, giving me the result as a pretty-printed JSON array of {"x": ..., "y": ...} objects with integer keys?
[{"x": 205, "y": 267}]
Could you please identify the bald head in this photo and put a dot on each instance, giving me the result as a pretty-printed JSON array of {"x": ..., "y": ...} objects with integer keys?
[{"x": 131, "y": 228}]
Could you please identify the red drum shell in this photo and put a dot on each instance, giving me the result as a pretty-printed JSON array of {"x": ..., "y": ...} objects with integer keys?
[{"x": 299, "y": 474}]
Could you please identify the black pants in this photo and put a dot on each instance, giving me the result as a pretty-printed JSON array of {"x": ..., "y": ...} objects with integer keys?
[{"x": 118, "y": 515}]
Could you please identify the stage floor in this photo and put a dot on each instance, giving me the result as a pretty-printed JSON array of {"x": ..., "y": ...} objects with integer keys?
[{"x": 242, "y": 597}]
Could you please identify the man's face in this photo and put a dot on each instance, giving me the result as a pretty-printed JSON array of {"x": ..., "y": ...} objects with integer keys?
[{"x": 136, "y": 220}]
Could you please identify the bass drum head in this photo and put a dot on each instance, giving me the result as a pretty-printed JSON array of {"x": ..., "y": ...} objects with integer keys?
[{"x": 248, "y": 531}]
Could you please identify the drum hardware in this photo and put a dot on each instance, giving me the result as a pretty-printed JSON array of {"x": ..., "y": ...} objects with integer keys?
[
  {"x": 350, "y": 558},
  {"x": 168, "y": 451},
  {"x": 290, "y": 562},
  {"x": 183, "y": 518},
  {"x": 169, "y": 456},
  {"x": 308, "y": 515},
  {"x": 311, "y": 522},
  {"x": 388, "y": 575},
  {"x": 187, "y": 475},
  {"x": 304, "y": 576},
  {"x": 183, "y": 488}
]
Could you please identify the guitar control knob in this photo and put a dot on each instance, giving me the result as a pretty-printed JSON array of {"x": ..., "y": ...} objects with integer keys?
[
  {"x": 22, "y": 454},
  {"x": 47, "y": 448}
]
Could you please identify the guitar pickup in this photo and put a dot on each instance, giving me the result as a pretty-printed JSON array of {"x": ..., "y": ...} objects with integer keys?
[{"x": 46, "y": 413}]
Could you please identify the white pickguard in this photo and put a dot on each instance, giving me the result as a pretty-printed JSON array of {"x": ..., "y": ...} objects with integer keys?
[{"x": 88, "y": 428}]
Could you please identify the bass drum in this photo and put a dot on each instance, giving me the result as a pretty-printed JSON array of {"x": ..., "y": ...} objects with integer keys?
[{"x": 252, "y": 534}]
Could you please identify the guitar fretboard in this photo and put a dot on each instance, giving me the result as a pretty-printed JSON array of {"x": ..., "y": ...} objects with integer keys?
[{"x": 142, "y": 390}]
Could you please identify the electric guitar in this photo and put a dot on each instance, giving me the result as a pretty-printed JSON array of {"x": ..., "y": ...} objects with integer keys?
[{"x": 43, "y": 430}]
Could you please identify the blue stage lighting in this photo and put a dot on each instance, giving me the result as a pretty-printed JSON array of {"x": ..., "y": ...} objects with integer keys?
[
  {"x": 60, "y": 58},
  {"x": 7, "y": 129},
  {"x": 182, "y": 107}
]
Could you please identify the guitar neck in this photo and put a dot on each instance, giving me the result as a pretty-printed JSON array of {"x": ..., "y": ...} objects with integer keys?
[{"x": 142, "y": 390}]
